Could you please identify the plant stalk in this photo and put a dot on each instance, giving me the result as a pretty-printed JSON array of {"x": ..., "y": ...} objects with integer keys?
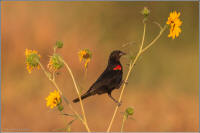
[
  {"x": 70, "y": 106},
  {"x": 132, "y": 63},
  {"x": 79, "y": 95},
  {"x": 123, "y": 121}
]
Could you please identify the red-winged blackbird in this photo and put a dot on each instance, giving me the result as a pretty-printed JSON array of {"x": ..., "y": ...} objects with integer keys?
[{"x": 109, "y": 80}]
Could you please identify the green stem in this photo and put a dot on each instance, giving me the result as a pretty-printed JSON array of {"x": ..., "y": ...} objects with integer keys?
[
  {"x": 54, "y": 83},
  {"x": 85, "y": 71},
  {"x": 79, "y": 95},
  {"x": 155, "y": 39},
  {"x": 141, "y": 50},
  {"x": 46, "y": 73},
  {"x": 142, "y": 44},
  {"x": 123, "y": 121}
]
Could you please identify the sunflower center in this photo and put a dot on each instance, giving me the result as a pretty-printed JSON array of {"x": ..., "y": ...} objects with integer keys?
[
  {"x": 55, "y": 101},
  {"x": 85, "y": 56}
]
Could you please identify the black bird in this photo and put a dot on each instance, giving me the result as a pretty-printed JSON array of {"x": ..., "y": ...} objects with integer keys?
[{"x": 109, "y": 80}]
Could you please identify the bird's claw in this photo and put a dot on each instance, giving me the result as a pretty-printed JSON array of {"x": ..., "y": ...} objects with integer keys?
[{"x": 125, "y": 82}]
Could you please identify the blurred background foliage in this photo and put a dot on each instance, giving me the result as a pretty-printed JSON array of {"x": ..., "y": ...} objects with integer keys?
[{"x": 163, "y": 88}]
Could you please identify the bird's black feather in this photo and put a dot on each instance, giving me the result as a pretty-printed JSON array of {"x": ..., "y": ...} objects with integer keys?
[{"x": 109, "y": 80}]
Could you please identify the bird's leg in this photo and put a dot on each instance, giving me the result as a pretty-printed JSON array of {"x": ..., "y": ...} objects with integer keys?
[{"x": 109, "y": 94}]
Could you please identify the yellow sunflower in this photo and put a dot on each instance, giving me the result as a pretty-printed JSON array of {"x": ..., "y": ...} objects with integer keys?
[
  {"x": 85, "y": 56},
  {"x": 175, "y": 23},
  {"x": 53, "y": 99},
  {"x": 32, "y": 59}
]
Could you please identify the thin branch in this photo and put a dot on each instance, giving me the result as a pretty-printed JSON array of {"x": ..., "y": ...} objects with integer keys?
[
  {"x": 143, "y": 38},
  {"x": 123, "y": 121},
  {"x": 70, "y": 106},
  {"x": 126, "y": 44},
  {"x": 141, "y": 50},
  {"x": 123, "y": 87},
  {"x": 155, "y": 39},
  {"x": 79, "y": 95},
  {"x": 158, "y": 25},
  {"x": 46, "y": 73},
  {"x": 126, "y": 79}
]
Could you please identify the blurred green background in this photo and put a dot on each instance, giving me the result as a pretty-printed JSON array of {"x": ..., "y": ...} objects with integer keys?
[{"x": 163, "y": 88}]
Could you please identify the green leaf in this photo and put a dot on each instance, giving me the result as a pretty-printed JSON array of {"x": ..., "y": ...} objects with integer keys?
[
  {"x": 68, "y": 114},
  {"x": 68, "y": 128},
  {"x": 131, "y": 118},
  {"x": 65, "y": 99}
]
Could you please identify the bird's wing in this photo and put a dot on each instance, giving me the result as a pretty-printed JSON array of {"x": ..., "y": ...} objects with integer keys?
[{"x": 106, "y": 78}]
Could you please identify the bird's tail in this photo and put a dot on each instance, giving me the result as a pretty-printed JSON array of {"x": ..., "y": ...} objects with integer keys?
[{"x": 87, "y": 94}]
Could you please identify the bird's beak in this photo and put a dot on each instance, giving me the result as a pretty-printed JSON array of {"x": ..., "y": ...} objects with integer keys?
[{"x": 122, "y": 53}]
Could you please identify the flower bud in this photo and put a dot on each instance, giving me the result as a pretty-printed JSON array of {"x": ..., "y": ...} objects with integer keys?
[
  {"x": 55, "y": 63},
  {"x": 32, "y": 59},
  {"x": 59, "y": 44},
  {"x": 145, "y": 12},
  {"x": 129, "y": 111}
]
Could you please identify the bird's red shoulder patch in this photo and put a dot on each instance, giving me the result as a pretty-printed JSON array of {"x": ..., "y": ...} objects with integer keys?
[{"x": 118, "y": 67}]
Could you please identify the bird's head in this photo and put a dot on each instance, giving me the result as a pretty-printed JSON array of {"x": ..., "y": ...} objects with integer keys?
[{"x": 116, "y": 54}]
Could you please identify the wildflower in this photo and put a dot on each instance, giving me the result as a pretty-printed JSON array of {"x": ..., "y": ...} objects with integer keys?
[
  {"x": 32, "y": 59},
  {"x": 53, "y": 99},
  {"x": 86, "y": 56},
  {"x": 55, "y": 63},
  {"x": 175, "y": 23},
  {"x": 145, "y": 11}
]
